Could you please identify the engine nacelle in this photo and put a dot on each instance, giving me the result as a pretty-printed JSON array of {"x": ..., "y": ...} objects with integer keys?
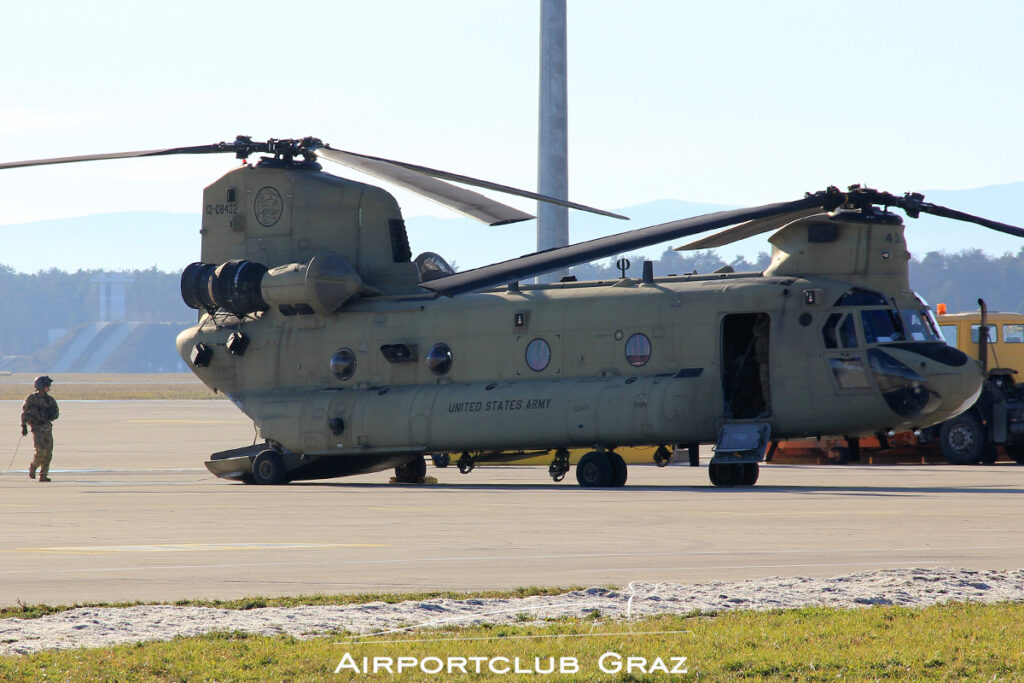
[{"x": 321, "y": 285}]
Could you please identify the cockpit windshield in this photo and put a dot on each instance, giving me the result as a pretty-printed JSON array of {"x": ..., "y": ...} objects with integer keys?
[
  {"x": 886, "y": 325},
  {"x": 881, "y": 325},
  {"x": 918, "y": 326}
]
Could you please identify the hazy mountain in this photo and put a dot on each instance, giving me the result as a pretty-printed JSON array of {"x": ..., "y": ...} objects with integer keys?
[
  {"x": 169, "y": 241},
  {"x": 133, "y": 240}
]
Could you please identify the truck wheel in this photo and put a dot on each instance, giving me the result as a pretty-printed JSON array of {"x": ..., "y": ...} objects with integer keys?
[
  {"x": 1016, "y": 452},
  {"x": 962, "y": 440},
  {"x": 726, "y": 475},
  {"x": 594, "y": 470},
  {"x": 268, "y": 468}
]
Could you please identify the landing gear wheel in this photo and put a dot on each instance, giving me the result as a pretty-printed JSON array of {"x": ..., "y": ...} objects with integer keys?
[
  {"x": 268, "y": 468},
  {"x": 594, "y": 470},
  {"x": 726, "y": 475},
  {"x": 441, "y": 460},
  {"x": 559, "y": 467},
  {"x": 465, "y": 463},
  {"x": 619, "y": 471},
  {"x": 411, "y": 472},
  {"x": 750, "y": 472},
  {"x": 1015, "y": 452},
  {"x": 962, "y": 440}
]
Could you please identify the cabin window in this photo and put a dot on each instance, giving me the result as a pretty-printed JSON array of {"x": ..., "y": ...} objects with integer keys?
[
  {"x": 993, "y": 335},
  {"x": 538, "y": 354},
  {"x": 638, "y": 350},
  {"x": 343, "y": 364},
  {"x": 439, "y": 359},
  {"x": 1013, "y": 334}
]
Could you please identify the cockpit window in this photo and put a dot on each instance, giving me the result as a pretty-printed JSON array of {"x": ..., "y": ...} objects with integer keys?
[
  {"x": 848, "y": 333},
  {"x": 828, "y": 332},
  {"x": 861, "y": 297},
  {"x": 881, "y": 326},
  {"x": 917, "y": 326}
]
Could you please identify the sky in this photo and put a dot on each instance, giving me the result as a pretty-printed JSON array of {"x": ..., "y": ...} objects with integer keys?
[{"x": 736, "y": 103}]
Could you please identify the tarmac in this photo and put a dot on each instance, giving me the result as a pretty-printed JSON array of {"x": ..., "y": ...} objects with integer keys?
[{"x": 132, "y": 514}]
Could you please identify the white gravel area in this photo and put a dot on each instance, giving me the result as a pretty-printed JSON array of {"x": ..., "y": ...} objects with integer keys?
[{"x": 103, "y": 627}]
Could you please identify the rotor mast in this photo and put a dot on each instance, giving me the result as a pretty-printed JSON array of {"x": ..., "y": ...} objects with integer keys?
[{"x": 553, "y": 145}]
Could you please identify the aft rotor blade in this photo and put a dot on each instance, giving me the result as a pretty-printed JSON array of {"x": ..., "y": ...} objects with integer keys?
[
  {"x": 466, "y": 202},
  {"x": 201, "y": 149},
  {"x": 748, "y": 229},
  {"x": 553, "y": 259},
  {"x": 412, "y": 177}
]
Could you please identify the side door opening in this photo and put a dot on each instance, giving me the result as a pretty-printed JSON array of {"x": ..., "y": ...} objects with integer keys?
[{"x": 746, "y": 383}]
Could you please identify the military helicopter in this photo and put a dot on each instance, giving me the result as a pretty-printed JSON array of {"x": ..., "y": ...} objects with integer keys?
[{"x": 351, "y": 356}]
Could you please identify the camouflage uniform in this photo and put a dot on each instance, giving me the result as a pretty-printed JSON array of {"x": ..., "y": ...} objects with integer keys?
[{"x": 38, "y": 413}]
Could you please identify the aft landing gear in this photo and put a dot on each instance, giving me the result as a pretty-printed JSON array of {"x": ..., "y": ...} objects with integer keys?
[
  {"x": 727, "y": 475},
  {"x": 268, "y": 468},
  {"x": 599, "y": 469},
  {"x": 411, "y": 472}
]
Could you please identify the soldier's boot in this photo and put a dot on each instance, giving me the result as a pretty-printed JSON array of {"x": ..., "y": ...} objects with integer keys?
[
  {"x": 32, "y": 471},
  {"x": 44, "y": 472},
  {"x": 43, "y": 478}
]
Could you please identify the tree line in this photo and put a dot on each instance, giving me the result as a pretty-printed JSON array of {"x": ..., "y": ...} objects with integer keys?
[{"x": 32, "y": 305}]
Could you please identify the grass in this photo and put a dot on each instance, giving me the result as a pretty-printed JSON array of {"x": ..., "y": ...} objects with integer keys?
[
  {"x": 945, "y": 642},
  {"x": 107, "y": 387}
]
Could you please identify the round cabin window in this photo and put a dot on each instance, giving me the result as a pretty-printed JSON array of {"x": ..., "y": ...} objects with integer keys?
[
  {"x": 343, "y": 364},
  {"x": 638, "y": 350},
  {"x": 538, "y": 355},
  {"x": 439, "y": 359}
]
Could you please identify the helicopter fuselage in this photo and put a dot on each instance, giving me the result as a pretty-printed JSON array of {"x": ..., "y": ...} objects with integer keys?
[
  {"x": 586, "y": 364},
  {"x": 319, "y": 326}
]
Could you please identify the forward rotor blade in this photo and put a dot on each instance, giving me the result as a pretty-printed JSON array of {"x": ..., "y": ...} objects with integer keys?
[
  {"x": 945, "y": 212},
  {"x": 542, "y": 262},
  {"x": 201, "y": 149},
  {"x": 409, "y": 176},
  {"x": 748, "y": 229}
]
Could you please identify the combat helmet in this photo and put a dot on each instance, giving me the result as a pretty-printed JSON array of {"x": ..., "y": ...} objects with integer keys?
[{"x": 42, "y": 381}]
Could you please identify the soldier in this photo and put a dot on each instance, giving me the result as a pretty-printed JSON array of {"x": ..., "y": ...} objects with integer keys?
[{"x": 39, "y": 412}]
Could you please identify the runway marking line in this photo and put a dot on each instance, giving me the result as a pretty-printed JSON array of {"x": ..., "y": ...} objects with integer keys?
[{"x": 194, "y": 547}]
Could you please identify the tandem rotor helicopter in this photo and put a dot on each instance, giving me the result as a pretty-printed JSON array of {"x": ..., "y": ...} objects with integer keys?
[{"x": 351, "y": 356}]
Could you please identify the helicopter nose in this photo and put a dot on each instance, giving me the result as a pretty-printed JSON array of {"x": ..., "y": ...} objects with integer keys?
[
  {"x": 958, "y": 390},
  {"x": 926, "y": 388}
]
